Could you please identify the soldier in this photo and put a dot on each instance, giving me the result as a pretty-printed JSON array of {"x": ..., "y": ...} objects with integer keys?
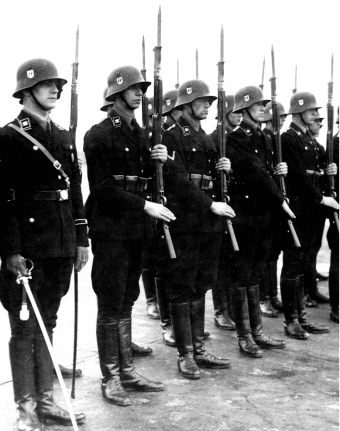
[
  {"x": 269, "y": 302},
  {"x": 303, "y": 188},
  {"x": 196, "y": 233},
  {"x": 221, "y": 291},
  {"x": 43, "y": 221},
  {"x": 168, "y": 109},
  {"x": 254, "y": 194},
  {"x": 119, "y": 172}
]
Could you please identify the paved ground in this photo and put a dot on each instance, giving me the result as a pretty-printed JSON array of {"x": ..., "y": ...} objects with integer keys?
[{"x": 295, "y": 389}]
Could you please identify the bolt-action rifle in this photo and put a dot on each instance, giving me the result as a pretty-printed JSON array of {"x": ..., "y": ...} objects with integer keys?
[
  {"x": 73, "y": 130},
  {"x": 157, "y": 132},
  {"x": 262, "y": 78},
  {"x": 329, "y": 144},
  {"x": 177, "y": 83},
  {"x": 197, "y": 64},
  {"x": 221, "y": 138},
  {"x": 145, "y": 113},
  {"x": 295, "y": 88},
  {"x": 277, "y": 141}
]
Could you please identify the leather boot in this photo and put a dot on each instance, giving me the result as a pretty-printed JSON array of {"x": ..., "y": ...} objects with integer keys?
[
  {"x": 180, "y": 316},
  {"x": 267, "y": 308},
  {"x": 130, "y": 379},
  {"x": 203, "y": 358},
  {"x": 222, "y": 319},
  {"x": 305, "y": 322},
  {"x": 150, "y": 293},
  {"x": 138, "y": 350},
  {"x": 246, "y": 343},
  {"x": 47, "y": 408},
  {"x": 164, "y": 312},
  {"x": 22, "y": 365},
  {"x": 289, "y": 301},
  {"x": 108, "y": 349},
  {"x": 277, "y": 304},
  {"x": 67, "y": 372},
  {"x": 272, "y": 276},
  {"x": 255, "y": 316}
]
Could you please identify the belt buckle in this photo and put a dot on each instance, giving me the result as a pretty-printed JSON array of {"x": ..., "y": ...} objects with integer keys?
[{"x": 63, "y": 195}]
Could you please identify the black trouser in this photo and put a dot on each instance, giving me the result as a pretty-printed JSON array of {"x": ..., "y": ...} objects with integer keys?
[
  {"x": 333, "y": 281},
  {"x": 117, "y": 267}
]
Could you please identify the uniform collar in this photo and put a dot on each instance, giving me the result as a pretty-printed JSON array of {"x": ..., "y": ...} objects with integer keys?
[
  {"x": 249, "y": 128},
  {"x": 297, "y": 128},
  {"x": 39, "y": 120}
]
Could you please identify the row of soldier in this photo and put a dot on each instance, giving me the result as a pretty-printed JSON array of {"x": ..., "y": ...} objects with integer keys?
[{"x": 44, "y": 221}]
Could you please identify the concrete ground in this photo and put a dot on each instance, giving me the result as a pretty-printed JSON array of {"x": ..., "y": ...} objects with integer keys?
[{"x": 295, "y": 389}]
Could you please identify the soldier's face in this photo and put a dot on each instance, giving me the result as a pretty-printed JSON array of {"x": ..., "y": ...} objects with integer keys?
[
  {"x": 201, "y": 107},
  {"x": 282, "y": 120},
  {"x": 257, "y": 111},
  {"x": 46, "y": 92},
  {"x": 315, "y": 127},
  {"x": 309, "y": 116},
  {"x": 133, "y": 96},
  {"x": 234, "y": 119}
]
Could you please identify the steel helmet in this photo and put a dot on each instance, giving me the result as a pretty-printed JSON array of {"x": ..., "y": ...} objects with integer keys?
[
  {"x": 229, "y": 104},
  {"x": 192, "y": 90},
  {"x": 34, "y": 71},
  {"x": 122, "y": 78},
  {"x": 247, "y": 96},
  {"x": 301, "y": 102},
  {"x": 268, "y": 111},
  {"x": 169, "y": 101},
  {"x": 151, "y": 106},
  {"x": 105, "y": 104}
]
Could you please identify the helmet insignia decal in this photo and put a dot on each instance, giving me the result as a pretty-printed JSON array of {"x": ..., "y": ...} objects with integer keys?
[
  {"x": 120, "y": 80},
  {"x": 168, "y": 102},
  {"x": 189, "y": 90},
  {"x": 30, "y": 73},
  {"x": 246, "y": 98},
  {"x": 301, "y": 102},
  {"x": 150, "y": 106}
]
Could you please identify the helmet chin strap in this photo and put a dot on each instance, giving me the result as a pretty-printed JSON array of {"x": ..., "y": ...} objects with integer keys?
[
  {"x": 37, "y": 101},
  {"x": 193, "y": 112},
  {"x": 248, "y": 112},
  {"x": 301, "y": 117},
  {"x": 126, "y": 103}
]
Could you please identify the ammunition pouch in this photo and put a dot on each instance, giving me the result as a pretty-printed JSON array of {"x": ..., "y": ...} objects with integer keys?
[
  {"x": 204, "y": 182},
  {"x": 134, "y": 184},
  {"x": 317, "y": 177}
]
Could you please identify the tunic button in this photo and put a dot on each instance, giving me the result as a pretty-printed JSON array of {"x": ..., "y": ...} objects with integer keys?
[
  {"x": 31, "y": 220},
  {"x": 126, "y": 149},
  {"x": 194, "y": 149},
  {"x": 306, "y": 148},
  {"x": 35, "y": 148},
  {"x": 59, "y": 177},
  {"x": 256, "y": 151},
  {"x": 246, "y": 196}
]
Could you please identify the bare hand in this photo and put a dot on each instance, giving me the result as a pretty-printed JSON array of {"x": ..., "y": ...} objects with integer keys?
[
  {"x": 159, "y": 152},
  {"x": 281, "y": 169},
  {"x": 158, "y": 211},
  {"x": 81, "y": 259},
  {"x": 286, "y": 209},
  {"x": 332, "y": 169},
  {"x": 330, "y": 202},
  {"x": 16, "y": 264},
  {"x": 222, "y": 209},
  {"x": 223, "y": 165}
]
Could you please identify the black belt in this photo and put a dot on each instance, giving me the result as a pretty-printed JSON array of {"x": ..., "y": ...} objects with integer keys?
[{"x": 53, "y": 195}]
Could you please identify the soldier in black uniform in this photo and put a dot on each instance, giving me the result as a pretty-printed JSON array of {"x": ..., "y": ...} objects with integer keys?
[
  {"x": 120, "y": 219},
  {"x": 269, "y": 302},
  {"x": 221, "y": 291},
  {"x": 303, "y": 188},
  {"x": 43, "y": 221},
  {"x": 196, "y": 233},
  {"x": 254, "y": 196}
]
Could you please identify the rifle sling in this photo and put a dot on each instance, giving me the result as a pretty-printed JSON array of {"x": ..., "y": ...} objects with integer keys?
[{"x": 55, "y": 162}]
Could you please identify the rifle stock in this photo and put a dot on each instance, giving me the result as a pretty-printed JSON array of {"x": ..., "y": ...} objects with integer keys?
[
  {"x": 221, "y": 138},
  {"x": 145, "y": 113},
  {"x": 277, "y": 140},
  {"x": 157, "y": 134}
]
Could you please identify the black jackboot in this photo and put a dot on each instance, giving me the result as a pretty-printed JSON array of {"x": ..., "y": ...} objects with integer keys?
[
  {"x": 260, "y": 338},
  {"x": 108, "y": 349},
  {"x": 22, "y": 364},
  {"x": 47, "y": 408},
  {"x": 150, "y": 293},
  {"x": 203, "y": 358},
  {"x": 289, "y": 302},
  {"x": 247, "y": 345},
  {"x": 180, "y": 315},
  {"x": 222, "y": 319},
  {"x": 130, "y": 379},
  {"x": 164, "y": 311},
  {"x": 305, "y": 322}
]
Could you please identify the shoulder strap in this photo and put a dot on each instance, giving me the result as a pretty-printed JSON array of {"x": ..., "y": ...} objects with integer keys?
[{"x": 55, "y": 162}]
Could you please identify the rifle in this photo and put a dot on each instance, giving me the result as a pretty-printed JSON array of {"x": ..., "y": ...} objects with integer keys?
[
  {"x": 262, "y": 79},
  {"x": 145, "y": 114},
  {"x": 277, "y": 140},
  {"x": 295, "y": 88},
  {"x": 72, "y": 130},
  {"x": 157, "y": 132},
  {"x": 177, "y": 84},
  {"x": 329, "y": 144},
  {"x": 196, "y": 63},
  {"x": 221, "y": 138}
]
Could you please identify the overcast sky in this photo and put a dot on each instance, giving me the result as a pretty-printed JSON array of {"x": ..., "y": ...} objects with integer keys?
[{"x": 303, "y": 32}]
